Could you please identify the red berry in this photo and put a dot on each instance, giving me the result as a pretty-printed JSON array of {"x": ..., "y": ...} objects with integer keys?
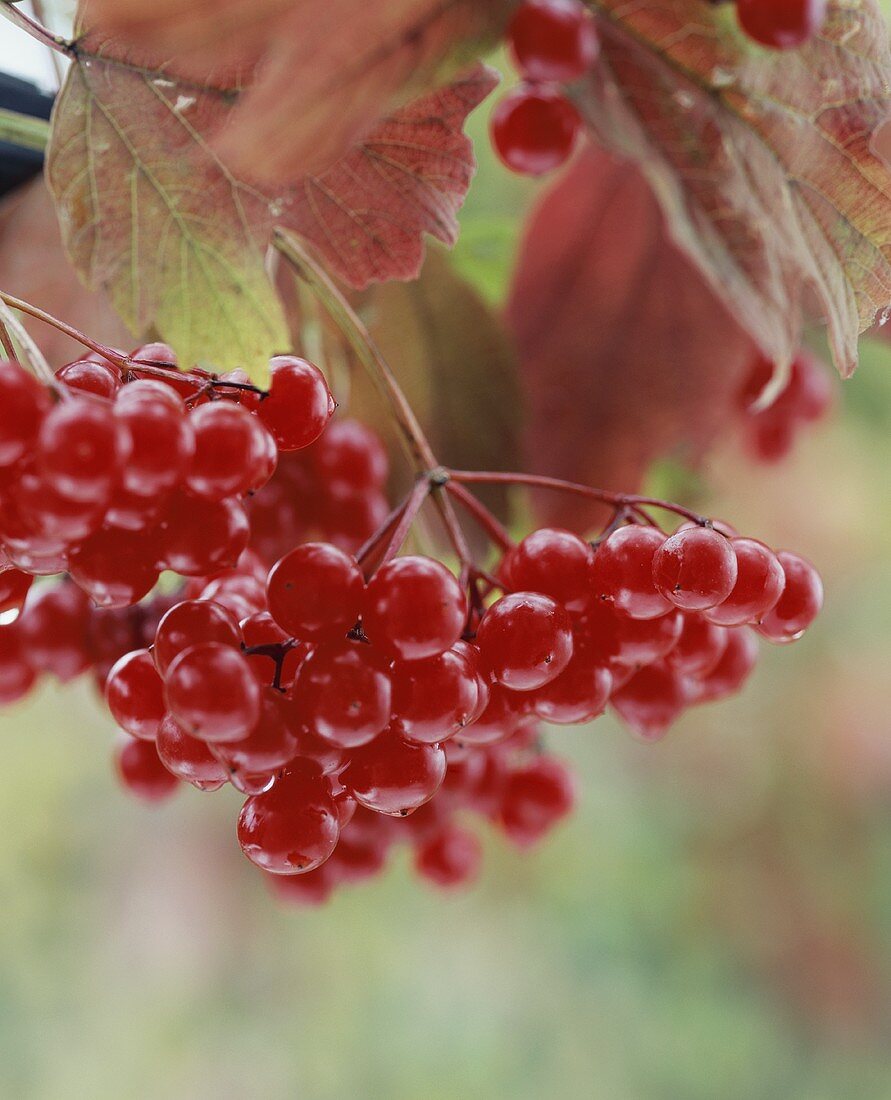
[
  {"x": 311, "y": 890},
  {"x": 699, "y": 648},
  {"x": 343, "y": 692},
  {"x": 451, "y": 857},
  {"x": 535, "y": 799},
  {"x": 505, "y": 713},
  {"x": 193, "y": 622},
  {"x": 553, "y": 40},
  {"x": 579, "y": 694},
  {"x": 81, "y": 450},
  {"x": 434, "y": 699},
  {"x": 730, "y": 673},
  {"x": 229, "y": 441},
  {"x": 23, "y": 404},
  {"x": 188, "y": 758},
  {"x": 651, "y": 701},
  {"x": 526, "y": 640},
  {"x": 781, "y": 24},
  {"x": 292, "y": 828},
  {"x": 394, "y": 776},
  {"x": 142, "y": 773},
  {"x": 116, "y": 568},
  {"x": 54, "y": 630},
  {"x": 349, "y": 458},
  {"x": 161, "y": 437},
  {"x": 759, "y": 585},
  {"x": 800, "y": 603},
  {"x": 299, "y": 404},
  {"x": 622, "y": 573},
  {"x": 695, "y": 569},
  {"x": 211, "y": 692},
  {"x": 134, "y": 694},
  {"x": 17, "y": 674},
  {"x": 534, "y": 129},
  {"x": 203, "y": 536},
  {"x": 86, "y": 376},
  {"x": 271, "y": 743},
  {"x": 414, "y": 608},
  {"x": 14, "y": 586},
  {"x": 316, "y": 592},
  {"x": 553, "y": 562}
]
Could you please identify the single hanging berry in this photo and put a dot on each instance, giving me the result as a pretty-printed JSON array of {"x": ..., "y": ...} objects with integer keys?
[
  {"x": 553, "y": 40},
  {"x": 534, "y": 129},
  {"x": 781, "y": 24}
]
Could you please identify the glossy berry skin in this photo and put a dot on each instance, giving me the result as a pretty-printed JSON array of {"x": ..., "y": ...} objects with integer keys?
[
  {"x": 450, "y": 858},
  {"x": 579, "y": 694},
  {"x": 24, "y": 405},
  {"x": 229, "y": 442},
  {"x": 695, "y": 569},
  {"x": 759, "y": 584},
  {"x": 504, "y": 714},
  {"x": 115, "y": 567},
  {"x": 203, "y": 536},
  {"x": 700, "y": 646},
  {"x": 53, "y": 630},
  {"x": 188, "y": 758},
  {"x": 622, "y": 572},
  {"x": 89, "y": 377},
  {"x": 141, "y": 772},
  {"x": 434, "y": 699},
  {"x": 651, "y": 701},
  {"x": 315, "y": 592},
  {"x": 189, "y": 623},
  {"x": 800, "y": 603},
  {"x": 81, "y": 450},
  {"x": 349, "y": 458},
  {"x": 781, "y": 24},
  {"x": 414, "y": 608},
  {"x": 270, "y": 745},
  {"x": 553, "y": 562},
  {"x": 642, "y": 641},
  {"x": 212, "y": 693},
  {"x": 525, "y": 639},
  {"x": 394, "y": 776},
  {"x": 292, "y": 828},
  {"x": 134, "y": 693},
  {"x": 162, "y": 441},
  {"x": 534, "y": 129},
  {"x": 730, "y": 673},
  {"x": 553, "y": 40},
  {"x": 299, "y": 404},
  {"x": 343, "y": 692},
  {"x": 535, "y": 799},
  {"x": 14, "y": 587}
]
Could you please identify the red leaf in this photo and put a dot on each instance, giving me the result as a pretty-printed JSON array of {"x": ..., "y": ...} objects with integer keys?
[
  {"x": 626, "y": 353},
  {"x": 368, "y": 213}
]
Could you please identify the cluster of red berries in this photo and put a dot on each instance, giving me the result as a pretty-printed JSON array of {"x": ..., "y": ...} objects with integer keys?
[
  {"x": 781, "y": 24},
  {"x": 535, "y": 126},
  {"x": 112, "y": 475},
  {"x": 314, "y": 691},
  {"x": 769, "y": 434}
]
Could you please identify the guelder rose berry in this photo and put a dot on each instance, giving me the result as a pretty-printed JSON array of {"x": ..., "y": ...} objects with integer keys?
[{"x": 695, "y": 569}]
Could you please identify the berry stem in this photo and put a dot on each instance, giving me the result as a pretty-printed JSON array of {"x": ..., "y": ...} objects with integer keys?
[
  {"x": 23, "y": 131},
  {"x": 29, "y": 350},
  {"x": 6, "y": 342},
  {"x": 486, "y": 520},
  {"x": 539, "y": 481},
  {"x": 38, "y": 314},
  {"x": 413, "y": 504},
  {"x": 43, "y": 35},
  {"x": 357, "y": 336}
]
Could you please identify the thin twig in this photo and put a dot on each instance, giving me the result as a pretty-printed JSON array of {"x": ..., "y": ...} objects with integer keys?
[
  {"x": 31, "y": 353},
  {"x": 116, "y": 357},
  {"x": 6, "y": 342},
  {"x": 31, "y": 26},
  {"x": 496, "y": 531}
]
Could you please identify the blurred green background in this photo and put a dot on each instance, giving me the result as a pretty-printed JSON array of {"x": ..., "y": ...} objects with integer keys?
[{"x": 715, "y": 921}]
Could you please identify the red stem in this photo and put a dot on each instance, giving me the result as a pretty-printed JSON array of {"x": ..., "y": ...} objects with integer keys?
[
  {"x": 539, "y": 481},
  {"x": 488, "y": 522}
]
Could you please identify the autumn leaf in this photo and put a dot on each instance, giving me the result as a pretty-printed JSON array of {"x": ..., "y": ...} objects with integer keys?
[
  {"x": 150, "y": 212},
  {"x": 762, "y": 160},
  {"x": 626, "y": 353},
  {"x": 325, "y": 73}
]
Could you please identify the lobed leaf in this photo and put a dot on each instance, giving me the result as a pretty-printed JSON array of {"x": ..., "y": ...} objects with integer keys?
[
  {"x": 762, "y": 160},
  {"x": 626, "y": 353}
]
